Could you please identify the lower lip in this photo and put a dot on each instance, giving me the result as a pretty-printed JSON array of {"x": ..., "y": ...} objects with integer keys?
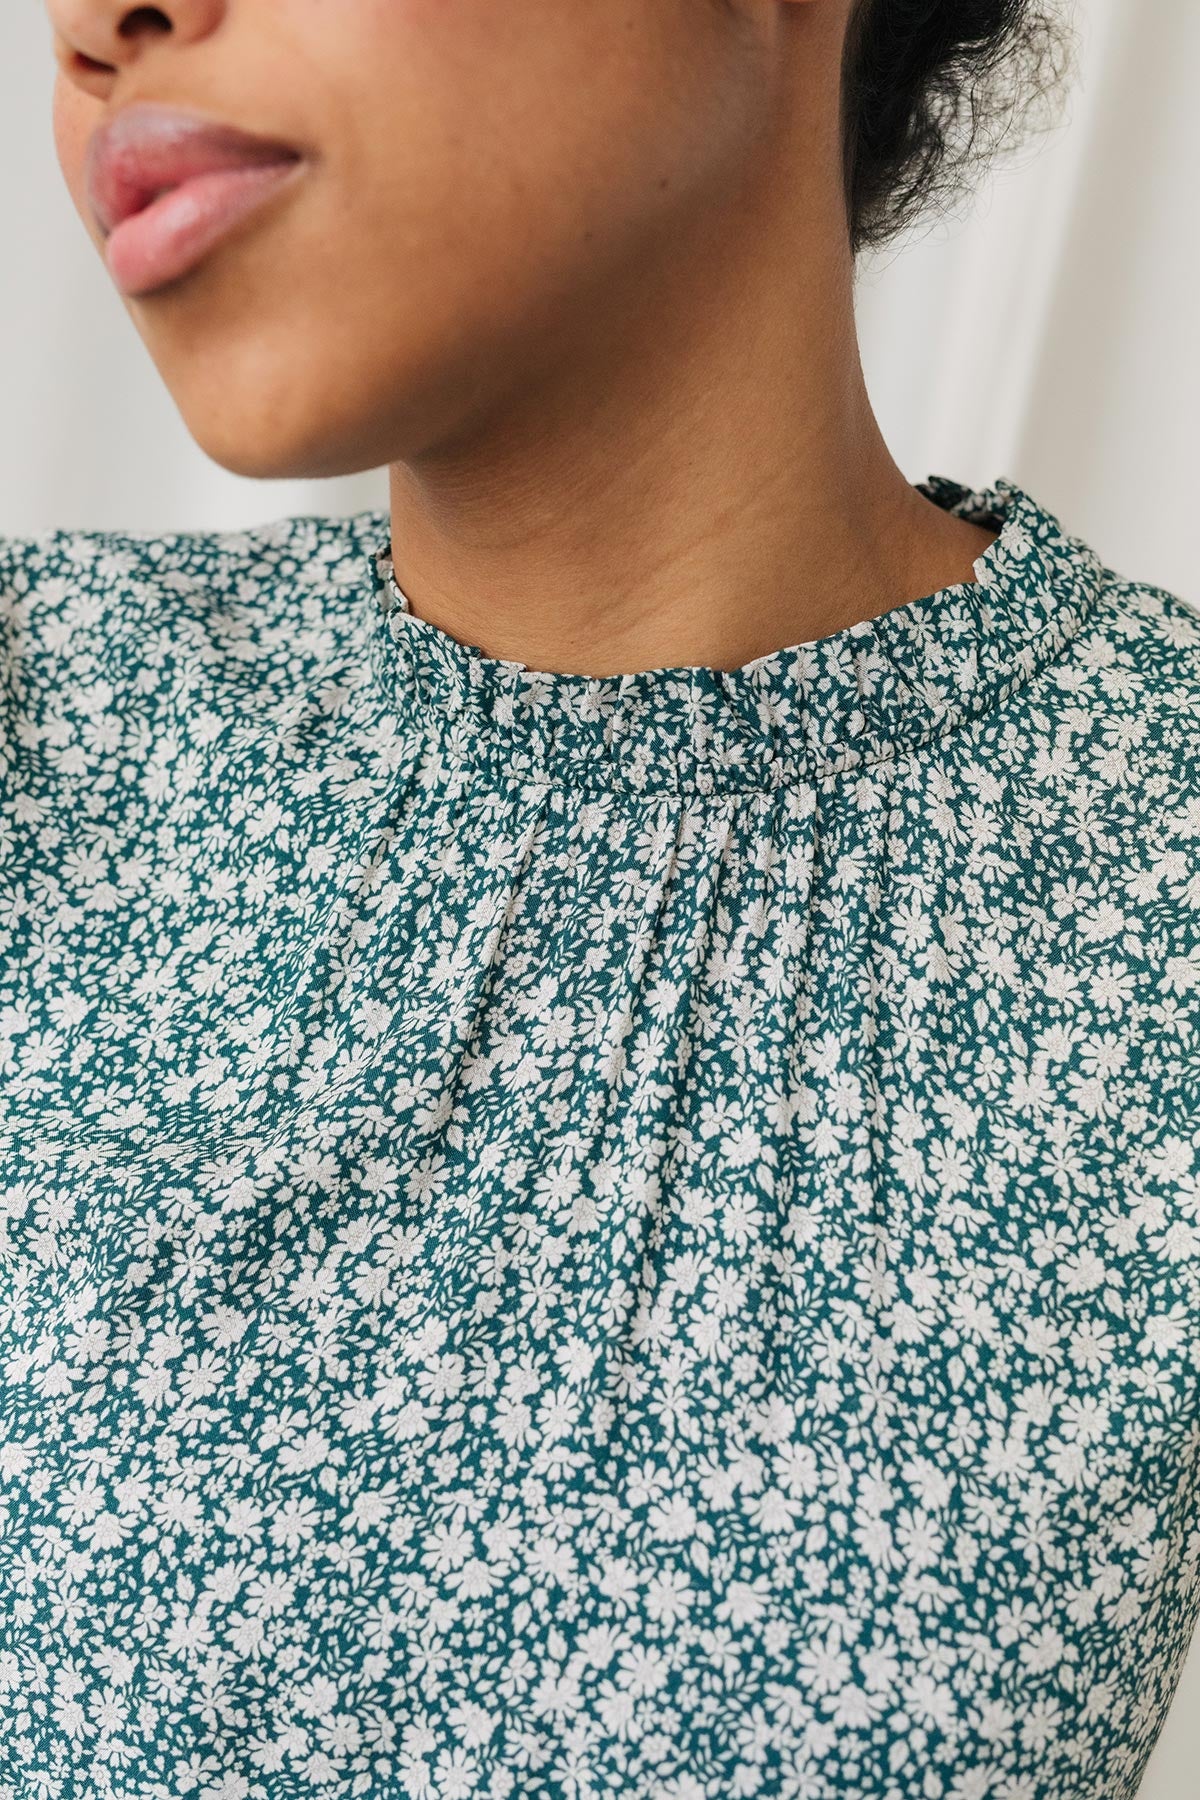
[{"x": 175, "y": 232}]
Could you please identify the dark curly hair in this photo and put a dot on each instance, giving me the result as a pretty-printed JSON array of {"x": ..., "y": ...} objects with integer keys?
[{"x": 930, "y": 89}]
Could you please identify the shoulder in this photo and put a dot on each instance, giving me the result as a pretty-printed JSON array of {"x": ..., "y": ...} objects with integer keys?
[
  {"x": 1129, "y": 681},
  {"x": 1147, "y": 632},
  {"x": 56, "y": 581},
  {"x": 79, "y": 607}
]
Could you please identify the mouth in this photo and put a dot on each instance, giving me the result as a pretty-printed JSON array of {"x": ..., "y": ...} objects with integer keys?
[
  {"x": 165, "y": 187},
  {"x": 171, "y": 236}
]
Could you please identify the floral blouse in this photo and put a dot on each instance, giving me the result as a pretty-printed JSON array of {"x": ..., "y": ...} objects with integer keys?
[{"x": 563, "y": 1236}]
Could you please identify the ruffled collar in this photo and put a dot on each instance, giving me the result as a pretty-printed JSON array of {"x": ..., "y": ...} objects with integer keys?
[{"x": 860, "y": 695}]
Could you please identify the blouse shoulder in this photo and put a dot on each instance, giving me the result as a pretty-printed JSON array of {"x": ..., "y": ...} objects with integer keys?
[
  {"x": 81, "y": 607},
  {"x": 1140, "y": 651},
  {"x": 1140, "y": 612},
  {"x": 65, "y": 577}
]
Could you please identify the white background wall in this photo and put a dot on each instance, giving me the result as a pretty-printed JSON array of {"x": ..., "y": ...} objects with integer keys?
[{"x": 1051, "y": 334}]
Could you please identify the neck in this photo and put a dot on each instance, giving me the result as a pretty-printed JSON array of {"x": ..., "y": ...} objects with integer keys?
[{"x": 691, "y": 474}]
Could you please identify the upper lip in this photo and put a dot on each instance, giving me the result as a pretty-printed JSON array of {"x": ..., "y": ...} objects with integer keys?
[{"x": 147, "y": 147}]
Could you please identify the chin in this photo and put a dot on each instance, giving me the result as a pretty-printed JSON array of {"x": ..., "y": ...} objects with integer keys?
[
  {"x": 297, "y": 397},
  {"x": 263, "y": 416},
  {"x": 269, "y": 451}
]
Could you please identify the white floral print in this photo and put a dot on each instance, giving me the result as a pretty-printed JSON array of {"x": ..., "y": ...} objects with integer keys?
[{"x": 567, "y": 1237}]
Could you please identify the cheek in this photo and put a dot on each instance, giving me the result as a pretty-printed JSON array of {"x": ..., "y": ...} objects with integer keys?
[
  {"x": 75, "y": 115},
  {"x": 521, "y": 131}
]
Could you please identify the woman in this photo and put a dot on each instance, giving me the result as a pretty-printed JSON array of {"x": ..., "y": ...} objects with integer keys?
[{"x": 600, "y": 1108}]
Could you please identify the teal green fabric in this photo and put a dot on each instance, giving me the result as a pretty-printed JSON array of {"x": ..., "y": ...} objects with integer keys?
[{"x": 567, "y": 1237}]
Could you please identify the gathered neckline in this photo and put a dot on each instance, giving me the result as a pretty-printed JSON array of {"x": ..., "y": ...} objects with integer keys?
[{"x": 861, "y": 694}]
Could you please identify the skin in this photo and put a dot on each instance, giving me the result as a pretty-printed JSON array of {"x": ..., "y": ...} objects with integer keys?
[{"x": 578, "y": 274}]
